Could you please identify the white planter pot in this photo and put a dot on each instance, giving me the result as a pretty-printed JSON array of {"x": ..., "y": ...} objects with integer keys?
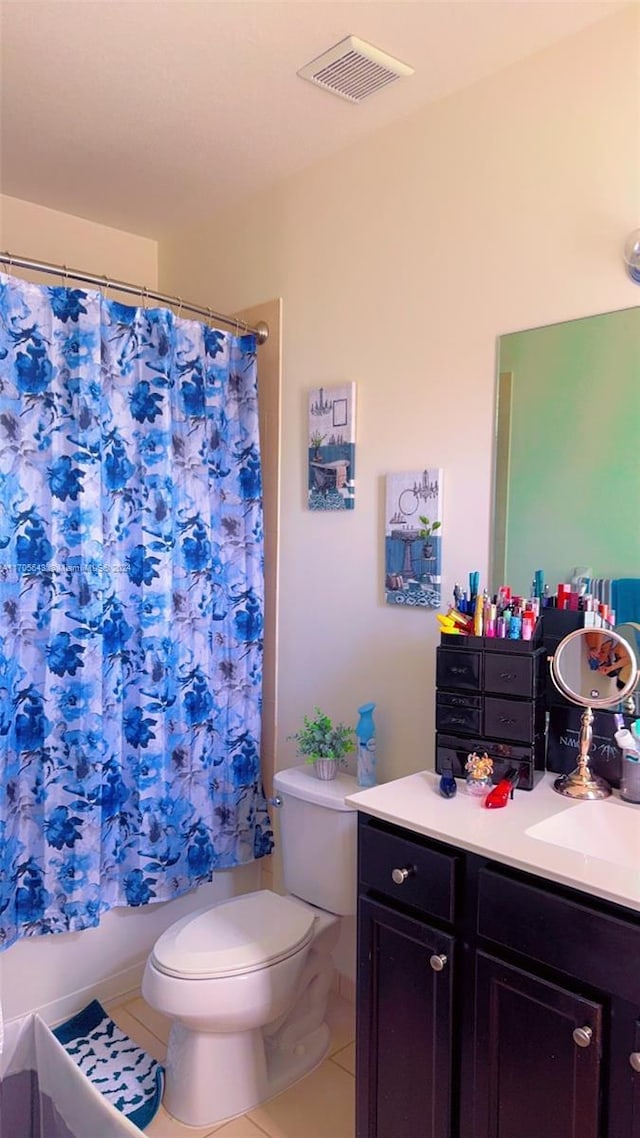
[{"x": 326, "y": 768}]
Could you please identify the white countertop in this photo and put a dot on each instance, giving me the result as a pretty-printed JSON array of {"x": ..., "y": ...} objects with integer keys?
[{"x": 590, "y": 846}]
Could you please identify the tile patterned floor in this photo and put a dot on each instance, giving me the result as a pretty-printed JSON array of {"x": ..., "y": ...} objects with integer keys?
[{"x": 320, "y": 1106}]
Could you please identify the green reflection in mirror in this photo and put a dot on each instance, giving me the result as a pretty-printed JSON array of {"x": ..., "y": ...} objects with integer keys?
[{"x": 567, "y": 476}]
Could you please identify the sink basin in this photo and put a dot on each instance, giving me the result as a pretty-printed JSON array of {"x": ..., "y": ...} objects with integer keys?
[{"x": 607, "y": 831}]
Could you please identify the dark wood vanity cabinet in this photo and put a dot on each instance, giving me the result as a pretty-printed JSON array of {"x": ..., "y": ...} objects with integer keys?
[
  {"x": 407, "y": 960},
  {"x": 491, "y": 1003},
  {"x": 530, "y": 1077},
  {"x": 404, "y": 1052}
]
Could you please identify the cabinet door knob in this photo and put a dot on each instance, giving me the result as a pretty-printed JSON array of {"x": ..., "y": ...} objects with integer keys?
[
  {"x": 634, "y": 1059},
  {"x": 582, "y": 1036},
  {"x": 437, "y": 962},
  {"x": 399, "y": 876}
]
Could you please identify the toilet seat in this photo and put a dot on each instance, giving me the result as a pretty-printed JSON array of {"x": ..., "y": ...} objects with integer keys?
[{"x": 237, "y": 936}]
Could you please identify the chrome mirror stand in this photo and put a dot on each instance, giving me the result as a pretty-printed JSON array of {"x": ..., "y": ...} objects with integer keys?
[{"x": 582, "y": 783}]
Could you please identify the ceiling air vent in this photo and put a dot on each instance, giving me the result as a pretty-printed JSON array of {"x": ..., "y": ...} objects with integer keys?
[{"x": 354, "y": 69}]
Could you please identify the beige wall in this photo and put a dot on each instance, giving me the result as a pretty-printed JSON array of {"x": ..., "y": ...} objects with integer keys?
[
  {"x": 399, "y": 262},
  {"x": 29, "y": 230}
]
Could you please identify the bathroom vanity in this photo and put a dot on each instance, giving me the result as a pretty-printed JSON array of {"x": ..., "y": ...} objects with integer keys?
[{"x": 498, "y": 965}]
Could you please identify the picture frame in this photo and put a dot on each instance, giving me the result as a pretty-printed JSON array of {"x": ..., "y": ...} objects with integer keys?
[
  {"x": 413, "y": 542},
  {"x": 331, "y": 448}
]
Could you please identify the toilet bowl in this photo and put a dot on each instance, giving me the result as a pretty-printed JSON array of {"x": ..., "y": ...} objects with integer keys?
[
  {"x": 223, "y": 974},
  {"x": 246, "y": 981}
]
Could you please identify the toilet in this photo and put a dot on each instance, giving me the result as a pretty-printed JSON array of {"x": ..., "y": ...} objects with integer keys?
[{"x": 246, "y": 981}]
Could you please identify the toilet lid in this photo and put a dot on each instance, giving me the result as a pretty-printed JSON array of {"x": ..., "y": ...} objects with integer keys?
[{"x": 240, "y": 935}]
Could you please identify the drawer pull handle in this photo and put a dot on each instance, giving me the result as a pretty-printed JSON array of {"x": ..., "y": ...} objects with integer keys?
[
  {"x": 634, "y": 1059},
  {"x": 582, "y": 1036},
  {"x": 437, "y": 962},
  {"x": 506, "y": 721},
  {"x": 399, "y": 876},
  {"x": 507, "y": 676}
]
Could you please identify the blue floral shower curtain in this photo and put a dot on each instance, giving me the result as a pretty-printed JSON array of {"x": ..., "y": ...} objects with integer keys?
[{"x": 131, "y": 607}]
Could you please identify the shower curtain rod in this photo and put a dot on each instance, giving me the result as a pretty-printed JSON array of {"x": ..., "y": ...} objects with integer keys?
[{"x": 261, "y": 330}]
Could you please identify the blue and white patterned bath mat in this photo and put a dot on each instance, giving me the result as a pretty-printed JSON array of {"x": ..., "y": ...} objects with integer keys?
[{"x": 127, "y": 1077}]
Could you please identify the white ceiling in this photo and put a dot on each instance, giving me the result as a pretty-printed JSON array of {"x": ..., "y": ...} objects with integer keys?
[{"x": 142, "y": 114}]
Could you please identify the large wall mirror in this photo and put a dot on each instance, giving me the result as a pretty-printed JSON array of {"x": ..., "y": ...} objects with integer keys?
[{"x": 567, "y": 452}]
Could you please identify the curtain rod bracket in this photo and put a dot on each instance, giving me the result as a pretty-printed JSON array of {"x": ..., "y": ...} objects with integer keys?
[{"x": 262, "y": 332}]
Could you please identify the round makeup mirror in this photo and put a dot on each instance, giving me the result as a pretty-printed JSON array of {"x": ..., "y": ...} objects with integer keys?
[{"x": 593, "y": 667}]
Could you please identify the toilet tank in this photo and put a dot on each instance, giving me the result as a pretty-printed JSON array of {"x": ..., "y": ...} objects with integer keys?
[{"x": 318, "y": 835}]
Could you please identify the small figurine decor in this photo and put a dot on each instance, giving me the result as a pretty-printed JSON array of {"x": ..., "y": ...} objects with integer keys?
[
  {"x": 447, "y": 785},
  {"x": 479, "y": 770},
  {"x": 323, "y": 743}
]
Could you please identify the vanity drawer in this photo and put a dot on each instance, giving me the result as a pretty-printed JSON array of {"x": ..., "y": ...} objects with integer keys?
[
  {"x": 429, "y": 881},
  {"x": 458, "y": 668},
  {"x": 509, "y": 674},
  {"x": 595, "y": 947},
  {"x": 512, "y": 718},
  {"x": 452, "y": 751}
]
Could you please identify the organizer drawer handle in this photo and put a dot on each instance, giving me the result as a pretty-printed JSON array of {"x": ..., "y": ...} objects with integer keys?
[{"x": 634, "y": 1059}]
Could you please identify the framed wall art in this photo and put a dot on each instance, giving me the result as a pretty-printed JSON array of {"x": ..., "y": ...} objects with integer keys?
[
  {"x": 332, "y": 447},
  {"x": 413, "y": 549}
]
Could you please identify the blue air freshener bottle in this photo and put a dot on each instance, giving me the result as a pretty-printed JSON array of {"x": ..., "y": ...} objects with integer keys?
[{"x": 366, "y": 736}]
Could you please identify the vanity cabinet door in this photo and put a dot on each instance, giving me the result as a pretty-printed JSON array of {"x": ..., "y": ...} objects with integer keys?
[
  {"x": 404, "y": 1026},
  {"x": 634, "y": 1096},
  {"x": 624, "y": 1079},
  {"x": 532, "y": 1077}
]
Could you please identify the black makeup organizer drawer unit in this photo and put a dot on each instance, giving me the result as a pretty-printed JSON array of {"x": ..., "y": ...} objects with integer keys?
[{"x": 490, "y": 696}]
